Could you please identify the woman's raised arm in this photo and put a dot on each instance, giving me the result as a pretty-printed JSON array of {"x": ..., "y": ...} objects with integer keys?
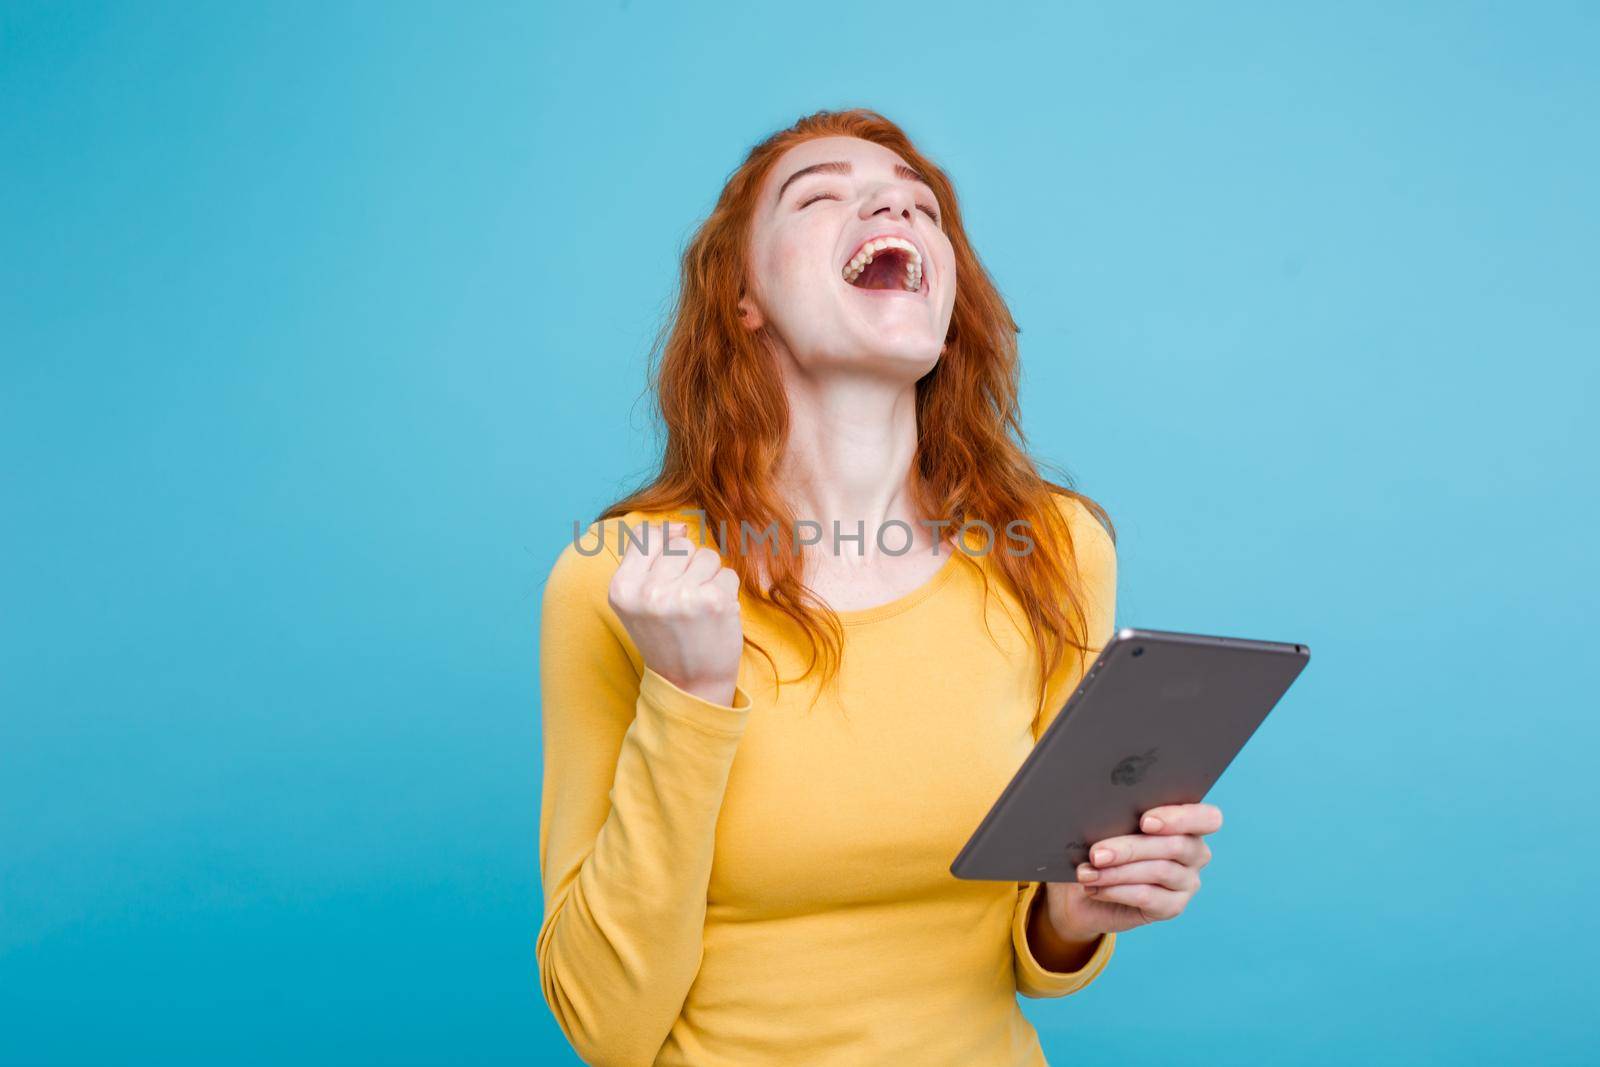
[{"x": 635, "y": 769}]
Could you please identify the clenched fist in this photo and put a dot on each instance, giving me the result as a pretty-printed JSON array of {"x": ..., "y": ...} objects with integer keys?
[{"x": 681, "y": 607}]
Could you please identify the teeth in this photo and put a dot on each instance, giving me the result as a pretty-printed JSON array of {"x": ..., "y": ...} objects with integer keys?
[{"x": 869, "y": 251}]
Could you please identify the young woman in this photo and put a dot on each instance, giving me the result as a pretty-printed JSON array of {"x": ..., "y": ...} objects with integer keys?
[{"x": 762, "y": 749}]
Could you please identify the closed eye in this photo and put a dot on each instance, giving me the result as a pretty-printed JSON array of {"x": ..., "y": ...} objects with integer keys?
[{"x": 930, "y": 212}]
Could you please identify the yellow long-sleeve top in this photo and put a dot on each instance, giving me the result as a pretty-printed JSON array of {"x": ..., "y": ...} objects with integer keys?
[{"x": 766, "y": 883}]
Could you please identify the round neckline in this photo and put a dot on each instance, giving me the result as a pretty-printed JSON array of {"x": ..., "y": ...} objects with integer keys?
[{"x": 905, "y": 601}]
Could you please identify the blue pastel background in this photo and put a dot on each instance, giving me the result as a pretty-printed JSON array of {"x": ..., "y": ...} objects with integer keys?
[{"x": 320, "y": 323}]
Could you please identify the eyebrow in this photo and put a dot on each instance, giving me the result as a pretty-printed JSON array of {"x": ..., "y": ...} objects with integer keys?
[{"x": 841, "y": 167}]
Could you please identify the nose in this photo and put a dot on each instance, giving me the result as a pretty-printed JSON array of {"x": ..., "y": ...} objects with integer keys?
[{"x": 892, "y": 199}]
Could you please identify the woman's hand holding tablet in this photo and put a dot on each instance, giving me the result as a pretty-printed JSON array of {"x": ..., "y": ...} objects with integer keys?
[
  {"x": 1107, "y": 810},
  {"x": 1135, "y": 879}
]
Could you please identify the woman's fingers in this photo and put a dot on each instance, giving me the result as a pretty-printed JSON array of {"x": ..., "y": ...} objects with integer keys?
[
  {"x": 1156, "y": 871},
  {"x": 639, "y": 549},
  {"x": 703, "y": 564},
  {"x": 1153, "y": 900},
  {"x": 1165, "y": 873},
  {"x": 727, "y": 579},
  {"x": 1182, "y": 819},
  {"x": 1184, "y": 848},
  {"x": 673, "y": 559},
  {"x": 685, "y": 565}
]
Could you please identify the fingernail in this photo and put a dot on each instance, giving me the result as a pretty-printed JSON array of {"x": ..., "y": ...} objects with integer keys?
[
  {"x": 1103, "y": 855},
  {"x": 1087, "y": 874},
  {"x": 1151, "y": 824}
]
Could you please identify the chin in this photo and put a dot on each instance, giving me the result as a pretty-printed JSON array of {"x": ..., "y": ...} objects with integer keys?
[
  {"x": 911, "y": 360},
  {"x": 906, "y": 362},
  {"x": 916, "y": 346}
]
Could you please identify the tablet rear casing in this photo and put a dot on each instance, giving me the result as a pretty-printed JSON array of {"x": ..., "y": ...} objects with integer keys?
[{"x": 1156, "y": 720}]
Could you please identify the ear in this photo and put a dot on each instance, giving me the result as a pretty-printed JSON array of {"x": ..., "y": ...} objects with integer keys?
[{"x": 749, "y": 314}]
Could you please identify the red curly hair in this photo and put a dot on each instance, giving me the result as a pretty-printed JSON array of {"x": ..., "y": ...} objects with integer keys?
[{"x": 722, "y": 402}]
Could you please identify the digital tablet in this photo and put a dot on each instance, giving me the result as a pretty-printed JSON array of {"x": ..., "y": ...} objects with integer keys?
[{"x": 1156, "y": 720}]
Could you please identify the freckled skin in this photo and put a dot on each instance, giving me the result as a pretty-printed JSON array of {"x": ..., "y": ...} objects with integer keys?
[{"x": 795, "y": 290}]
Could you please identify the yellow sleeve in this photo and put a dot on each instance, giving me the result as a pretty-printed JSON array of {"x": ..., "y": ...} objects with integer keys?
[
  {"x": 634, "y": 775},
  {"x": 1097, "y": 562}
]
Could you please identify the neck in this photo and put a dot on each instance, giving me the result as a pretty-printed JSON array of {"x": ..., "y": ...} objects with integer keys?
[{"x": 851, "y": 443}]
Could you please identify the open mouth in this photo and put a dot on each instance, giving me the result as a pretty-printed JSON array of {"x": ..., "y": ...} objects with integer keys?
[{"x": 887, "y": 263}]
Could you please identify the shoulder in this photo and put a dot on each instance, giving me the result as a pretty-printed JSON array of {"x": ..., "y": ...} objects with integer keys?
[
  {"x": 590, "y": 557},
  {"x": 1089, "y": 527}
]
